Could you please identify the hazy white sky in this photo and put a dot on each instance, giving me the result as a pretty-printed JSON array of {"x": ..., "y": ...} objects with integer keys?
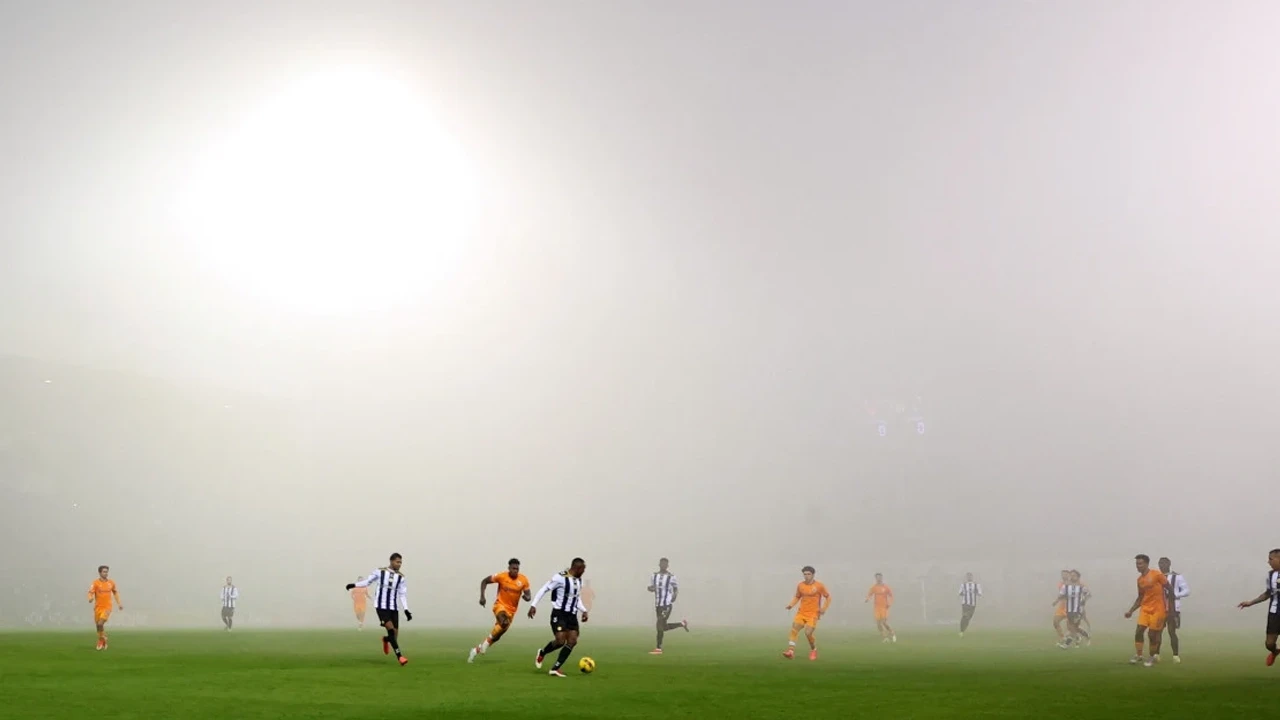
[{"x": 699, "y": 236}]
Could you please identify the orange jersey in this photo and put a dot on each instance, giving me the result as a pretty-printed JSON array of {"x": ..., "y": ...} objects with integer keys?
[
  {"x": 811, "y": 596},
  {"x": 100, "y": 592},
  {"x": 1151, "y": 587},
  {"x": 360, "y": 596},
  {"x": 883, "y": 595},
  {"x": 510, "y": 590}
]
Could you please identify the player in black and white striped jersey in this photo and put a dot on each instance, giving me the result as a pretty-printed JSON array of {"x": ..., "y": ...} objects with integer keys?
[
  {"x": 230, "y": 594},
  {"x": 665, "y": 589},
  {"x": 1177, "y": 590},
  {"x": 392, "y": 597},
  {"x": 566, "y": 603},
  {"x": 1073, "y": 597},
  {"x": 970, "y": 591},
  {"x": 1271, "y": 596}
]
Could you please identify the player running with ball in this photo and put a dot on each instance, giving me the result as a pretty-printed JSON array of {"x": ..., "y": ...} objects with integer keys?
[{"x": 566, "y": 604}]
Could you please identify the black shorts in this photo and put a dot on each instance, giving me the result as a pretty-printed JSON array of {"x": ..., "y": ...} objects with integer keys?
[
  {"x": 1074, "y": 617},
  {"x": 663, "y": 613},
  {"x": 228, "y": 612},
  {"x": 968, "y": 609},
  {"x": 389, "y": 616},
  {"x": 564, "y": 621},
  {"x": 1273, "y": 623}
]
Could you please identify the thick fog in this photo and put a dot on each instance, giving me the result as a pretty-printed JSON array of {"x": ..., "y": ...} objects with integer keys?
[{"x": 911, "y": 287}]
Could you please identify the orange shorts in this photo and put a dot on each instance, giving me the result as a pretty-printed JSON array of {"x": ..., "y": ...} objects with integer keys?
[
  {"x": 804, "y": 620},
  {"x": 1152, "y": 620},
  {"x": 510, "y": 611},
  {"x": 360, "y": 605},
  {"x": 881, "y": 614},
  {"x": 101, "y": 614},
  {"x": 1060, "y": 611}
]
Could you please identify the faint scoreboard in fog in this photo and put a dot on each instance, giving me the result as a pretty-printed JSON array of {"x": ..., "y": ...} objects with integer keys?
[
  {"x": 897, "y": 418},
  {"x": 915, "y": 426}
]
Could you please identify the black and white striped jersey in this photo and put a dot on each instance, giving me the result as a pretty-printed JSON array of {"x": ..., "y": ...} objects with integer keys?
[
  {"x": 391, "y": 594},
  {"x": 969, "y": 593},
  {"x": 1074, "y": 596},
  {"x": 665, "y": 588},
  {"x": 1178, "y": 589},
  {"x": 566, "y": 593},
  {"x": 1273, "y": 587},
  {"x": 230, "y": 593}
]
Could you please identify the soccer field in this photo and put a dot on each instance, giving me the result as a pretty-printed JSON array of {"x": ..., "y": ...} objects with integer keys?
[{"x": 335, "y": 674}]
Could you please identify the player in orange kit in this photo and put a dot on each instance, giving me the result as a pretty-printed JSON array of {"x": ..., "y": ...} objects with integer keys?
[
  {"x": 101, "y": 591},
  {"x": 359, "y": 600},
  {"x": 1060, "y": 606},
  {"x": 512, "y": 586},
  {"x": 1152, "y": 585},
  {"x": 810, "y": 594},
  {"x": 883, "y": 595}
]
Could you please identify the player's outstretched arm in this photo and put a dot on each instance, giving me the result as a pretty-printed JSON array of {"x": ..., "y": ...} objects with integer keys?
[
  {"x": 373, "y": 578},
  {"x": 116, "y": 593},
  {"x": 484, "y": 583},
  {"x": 533, "y": 604},
  {"x": 1261, "y": 598}
]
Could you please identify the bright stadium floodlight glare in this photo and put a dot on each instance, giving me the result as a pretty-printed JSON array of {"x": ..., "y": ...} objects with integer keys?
[{"x": 340, "y": 194}]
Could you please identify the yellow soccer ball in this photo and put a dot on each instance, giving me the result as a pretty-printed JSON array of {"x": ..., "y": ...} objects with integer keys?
[{"x": 587, "y": 665}]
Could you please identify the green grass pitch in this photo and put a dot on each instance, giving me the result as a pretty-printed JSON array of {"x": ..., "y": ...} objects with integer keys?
[{"x": 711, "y": 674}]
